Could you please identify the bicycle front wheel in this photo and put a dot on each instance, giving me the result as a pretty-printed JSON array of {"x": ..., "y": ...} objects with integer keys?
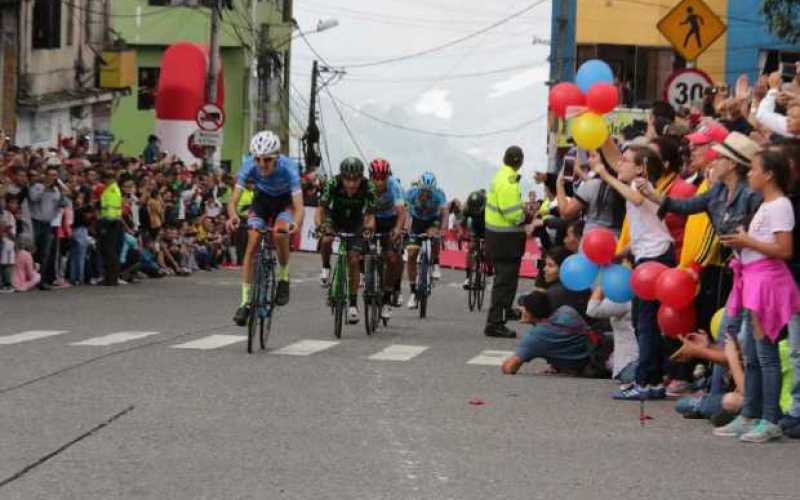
[
  {"x": 254, "y": 322},
  {"x": 339, "y": 297},
  {"x": 270, "y": 292},
  {"x": 423, "y": 286}
]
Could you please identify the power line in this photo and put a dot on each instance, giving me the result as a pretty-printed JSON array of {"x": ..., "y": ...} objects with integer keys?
[
  {"x": 441, "y": 78},
  {"x": 442, "y": 46},
  {"x": 344, "y": 122},
  {"x": 514, "y": 128},
  {"x": 325, "y": 142},
  {"x": 311, "y": 47}
]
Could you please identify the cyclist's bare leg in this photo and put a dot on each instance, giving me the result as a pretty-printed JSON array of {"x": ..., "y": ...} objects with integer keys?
[
  {"x": 413, "y": 252},
  {"x": 326, "y": 250},
  {"x": 393, "y": 270},
  {"x": 281, "y": 238},
  {"x": 247, "y": 266},
  {"x": 354, "y": 266}
]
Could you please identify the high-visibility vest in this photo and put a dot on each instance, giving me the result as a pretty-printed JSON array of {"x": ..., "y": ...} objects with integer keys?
[
  {"x": 245, "y": 200},
  {"x": 111, "y": 202},
  {"x": 504, "y": 207}
]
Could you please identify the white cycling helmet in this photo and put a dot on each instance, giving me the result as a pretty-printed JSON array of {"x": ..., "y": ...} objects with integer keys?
[{"x": 265, "y": 143}]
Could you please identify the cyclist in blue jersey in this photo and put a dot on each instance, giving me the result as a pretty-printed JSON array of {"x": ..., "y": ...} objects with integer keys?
[
  {"x": 278, "y": 201},
  {"x": 427, "y": 205},
  {"x": 390, "y": 217}
]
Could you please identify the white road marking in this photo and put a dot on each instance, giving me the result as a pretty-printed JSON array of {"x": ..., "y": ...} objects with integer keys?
[
  {"x": 490, "y": 358},
  {"x": 29, "y": 335},
  {"x": 211, "y": 342},
  {"x": 399, "y": 352},
  {"x": 305, "y": 347},
  {"x": 114, "y": 338}
]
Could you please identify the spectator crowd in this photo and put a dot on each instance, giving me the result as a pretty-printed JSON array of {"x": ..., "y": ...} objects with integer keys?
[
  {"x": 71, "y": 218},
  {"x": 714, "y": 191}
]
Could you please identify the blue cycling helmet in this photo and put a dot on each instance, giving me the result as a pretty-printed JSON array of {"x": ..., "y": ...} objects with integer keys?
[{"x": 427, "y": 180}]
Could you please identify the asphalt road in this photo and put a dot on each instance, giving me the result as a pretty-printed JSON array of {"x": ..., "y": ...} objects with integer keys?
[{"x": 87, "y": 414}]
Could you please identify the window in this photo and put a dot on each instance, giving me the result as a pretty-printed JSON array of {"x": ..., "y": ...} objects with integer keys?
[
  {"x": 46, "y": 24},
  {"x": 287, "y": 10},
  {"x": 148, "y": 87},
  {"x": 70, "y": 23}
]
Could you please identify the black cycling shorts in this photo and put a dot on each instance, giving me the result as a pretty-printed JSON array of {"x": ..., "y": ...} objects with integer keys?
[{"x": 266, "y": 210}]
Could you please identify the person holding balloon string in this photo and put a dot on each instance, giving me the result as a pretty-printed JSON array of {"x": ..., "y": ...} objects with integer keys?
[{"x": 650, "y": 241}]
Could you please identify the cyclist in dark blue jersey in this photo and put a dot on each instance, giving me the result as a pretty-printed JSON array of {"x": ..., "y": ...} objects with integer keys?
[{"x": 390, "y": 217}]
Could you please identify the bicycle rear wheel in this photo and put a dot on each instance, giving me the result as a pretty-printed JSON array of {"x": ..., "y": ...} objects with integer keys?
[
  {"x": 480, "y": 283},
  {"x": 378, "y": 301},
  {"x": 472, "y": 287}
]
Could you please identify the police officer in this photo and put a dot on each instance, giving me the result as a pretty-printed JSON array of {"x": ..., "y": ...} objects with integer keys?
[{"x": 506, "y": 217}]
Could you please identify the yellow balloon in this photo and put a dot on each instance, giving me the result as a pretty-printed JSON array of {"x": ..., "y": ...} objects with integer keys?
[
  {"x": 716, "y": 322},
  {"x": 589, "y": 130}
]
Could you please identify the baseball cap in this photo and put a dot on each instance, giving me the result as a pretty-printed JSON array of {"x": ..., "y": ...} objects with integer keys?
[{"x": 707, "y": 133}]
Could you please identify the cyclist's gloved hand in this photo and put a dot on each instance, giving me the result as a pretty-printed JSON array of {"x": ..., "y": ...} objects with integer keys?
[
  {"x": 293, "y": 228},
  {"x": 367, "y": 234}
]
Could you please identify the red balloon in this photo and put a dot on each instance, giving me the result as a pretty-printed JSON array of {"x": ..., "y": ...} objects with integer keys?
[
  {"x": 563, "y": 95},
  {"x": 676, "y": 288},
  {"x": 600, "y": 246},
  {"x": 645, "y": 277},
  {"x": 675, "y": 322},
  {"x": 602, "y": 98}
]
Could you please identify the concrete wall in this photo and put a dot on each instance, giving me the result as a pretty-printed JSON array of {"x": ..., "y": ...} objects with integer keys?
[{"x": 748, "y": 35}]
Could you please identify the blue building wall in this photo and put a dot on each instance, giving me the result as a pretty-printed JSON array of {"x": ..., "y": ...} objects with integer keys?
[
  {"x": 563, "y": 20},
  {"x": 748, "y": 35}
]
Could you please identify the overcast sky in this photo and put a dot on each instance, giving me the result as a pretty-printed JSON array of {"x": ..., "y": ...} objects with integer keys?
[{"x": 414, "y": 94}]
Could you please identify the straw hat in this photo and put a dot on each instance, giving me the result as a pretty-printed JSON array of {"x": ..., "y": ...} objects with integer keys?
[{"x": 738, "y": 148}]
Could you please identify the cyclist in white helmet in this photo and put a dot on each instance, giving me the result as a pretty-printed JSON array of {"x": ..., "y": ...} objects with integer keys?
[{"x": 278, "y": 200}]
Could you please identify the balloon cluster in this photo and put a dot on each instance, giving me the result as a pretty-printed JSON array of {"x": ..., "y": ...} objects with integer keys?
[
  {"x": 675, "y": 289},
  {"x": 595, "y": 92},
  {"x": 579, "y": 272}
]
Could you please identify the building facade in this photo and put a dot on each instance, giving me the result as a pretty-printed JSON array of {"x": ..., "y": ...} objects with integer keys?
[
  {"x": 253, "y": 30},
  {"x": 624, "y": 34},
  {"x": 752, "y": 49},
  {"x": 50, "y": 61}
]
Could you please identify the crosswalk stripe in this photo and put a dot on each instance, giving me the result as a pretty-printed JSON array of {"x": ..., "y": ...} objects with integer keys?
[
  {"x": 305, "y": 347},
  {"x": 114, "y": 338},
  {"x": 211, "y": 342},
  {"x": 399, "y": 352},
  {"x": 29, "y": 335},
  {"x": 490, "y": 358}
]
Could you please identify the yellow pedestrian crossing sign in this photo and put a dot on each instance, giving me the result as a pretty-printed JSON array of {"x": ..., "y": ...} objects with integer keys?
[{"x": 691, "y": 27}]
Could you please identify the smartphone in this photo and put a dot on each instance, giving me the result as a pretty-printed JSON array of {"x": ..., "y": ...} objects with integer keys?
[
  {"x": 568, "y": 168},
  {"x": 788, "y": 71}
]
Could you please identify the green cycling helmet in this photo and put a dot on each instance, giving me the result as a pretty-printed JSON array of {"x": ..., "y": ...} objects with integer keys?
[{"x": 352, "y": 167}]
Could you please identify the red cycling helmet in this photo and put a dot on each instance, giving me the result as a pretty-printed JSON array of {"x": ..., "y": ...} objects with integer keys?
[{"x": 380, "y": 169}]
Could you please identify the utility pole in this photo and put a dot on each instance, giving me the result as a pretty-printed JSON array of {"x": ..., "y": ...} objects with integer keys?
[
  {"x": 311, "y": 137},
  {"x": 213, "y": 70}
]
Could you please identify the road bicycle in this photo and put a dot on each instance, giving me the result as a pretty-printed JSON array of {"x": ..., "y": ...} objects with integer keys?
[{"x": 262, "y": 291}]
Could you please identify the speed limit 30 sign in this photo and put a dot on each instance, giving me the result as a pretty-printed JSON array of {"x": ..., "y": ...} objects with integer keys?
[{"x": 685, "y": 86}]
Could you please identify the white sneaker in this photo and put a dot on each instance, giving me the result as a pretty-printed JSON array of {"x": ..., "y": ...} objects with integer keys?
[
  {"x": 465, "y": 286},
  {"x": 437, "y": 273},
  {"x": 399, "y": 301},
  {"x": 325, "y": 276},
  {"x": 386, "y": 313},
  {"x": 412, "y": 301},
  {"x": 352, "y": 315}
]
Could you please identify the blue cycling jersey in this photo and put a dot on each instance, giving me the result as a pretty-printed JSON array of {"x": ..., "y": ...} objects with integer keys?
[
  {"x": 285, "y": 179},
  {"x": 389, "y": 200},
  {"x": 425, "y": 204}
]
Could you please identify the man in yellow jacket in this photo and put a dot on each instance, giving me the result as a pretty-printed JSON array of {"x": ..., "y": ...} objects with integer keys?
[
  {"x": 110, "y": 228},
  {"x": 505, "y": 240}
]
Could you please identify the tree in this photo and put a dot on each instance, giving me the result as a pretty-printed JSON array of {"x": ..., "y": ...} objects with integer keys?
[{"x": 783, "y": 17}]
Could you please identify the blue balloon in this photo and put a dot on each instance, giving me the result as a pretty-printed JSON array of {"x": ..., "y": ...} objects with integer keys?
[
  {"x": 578, "y": 273},
  {"x": 591, "y": 72},
  {"x": 617, "y": 283}
]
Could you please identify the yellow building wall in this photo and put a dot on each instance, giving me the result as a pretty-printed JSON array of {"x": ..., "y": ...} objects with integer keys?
[{"x": 620, "y": 22}]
